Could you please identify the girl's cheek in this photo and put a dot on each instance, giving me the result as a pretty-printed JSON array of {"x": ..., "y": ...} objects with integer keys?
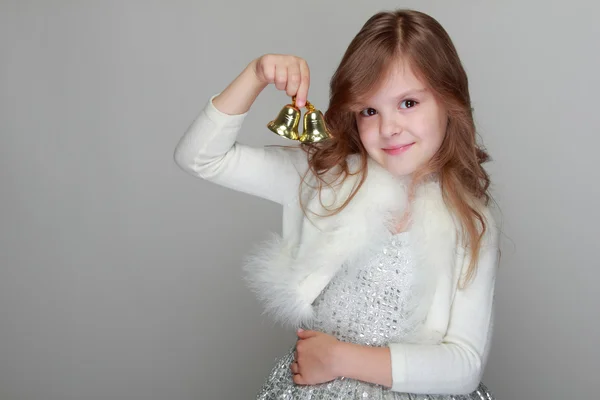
[{"x": 364, "y": 125}]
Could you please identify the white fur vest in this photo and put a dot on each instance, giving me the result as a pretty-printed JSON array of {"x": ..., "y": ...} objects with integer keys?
[{"x": 288, "y": 271}]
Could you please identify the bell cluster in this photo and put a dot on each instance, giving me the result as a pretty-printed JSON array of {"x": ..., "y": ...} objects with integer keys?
[{"x": 287, "y": 122}]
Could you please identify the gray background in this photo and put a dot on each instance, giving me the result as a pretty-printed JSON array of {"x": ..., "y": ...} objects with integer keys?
[{"x": 119, "y": 273}]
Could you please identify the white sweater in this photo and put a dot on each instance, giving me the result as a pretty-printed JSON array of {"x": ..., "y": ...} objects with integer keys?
[{"x": 452, "y": 358}]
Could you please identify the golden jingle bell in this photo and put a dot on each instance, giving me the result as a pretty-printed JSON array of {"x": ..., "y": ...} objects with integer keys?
[{"x": 287, "y": 122}]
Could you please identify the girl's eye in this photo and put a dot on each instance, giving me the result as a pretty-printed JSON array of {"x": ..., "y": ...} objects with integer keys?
[
  {"x": 409, "y": 103},
  {"x": 367, "y": 112}
]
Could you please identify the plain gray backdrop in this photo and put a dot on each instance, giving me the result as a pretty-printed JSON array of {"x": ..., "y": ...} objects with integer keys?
[{"x": 120, "y": 274}]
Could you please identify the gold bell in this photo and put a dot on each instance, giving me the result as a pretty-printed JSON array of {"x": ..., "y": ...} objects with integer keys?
[
  {"x": 286, "y": 124},
  {"x": 314, "y": 129}
]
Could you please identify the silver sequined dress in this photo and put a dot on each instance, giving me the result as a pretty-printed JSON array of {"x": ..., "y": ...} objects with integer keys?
[{"x": 373, "y": 305}]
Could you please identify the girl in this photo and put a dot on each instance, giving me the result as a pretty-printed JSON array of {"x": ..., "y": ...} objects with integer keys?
[{"x": 388, "y": 253}]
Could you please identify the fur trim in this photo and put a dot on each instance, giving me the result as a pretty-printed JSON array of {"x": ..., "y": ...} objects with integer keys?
[
  {"x": 270, "y": 273},
  {"x": 288, "y": 273}
]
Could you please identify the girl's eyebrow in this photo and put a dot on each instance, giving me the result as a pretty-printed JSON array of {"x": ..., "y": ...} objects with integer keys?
[
  {"x": 411, "y": 91},
  {"x": 398, "y": 97}
]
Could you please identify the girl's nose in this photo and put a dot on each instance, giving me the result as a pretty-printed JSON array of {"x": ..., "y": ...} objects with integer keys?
[{"x": 389, "y": 127}]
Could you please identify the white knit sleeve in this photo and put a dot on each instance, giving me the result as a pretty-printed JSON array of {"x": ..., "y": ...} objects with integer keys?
[
  {"x": 456, "y": 365},
  {"x": 209, "y": 150}
]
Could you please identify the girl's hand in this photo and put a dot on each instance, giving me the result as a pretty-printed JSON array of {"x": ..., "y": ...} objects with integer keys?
[
  {"x": 287, "y": 72},
  {"x": 314, "y": 358}
]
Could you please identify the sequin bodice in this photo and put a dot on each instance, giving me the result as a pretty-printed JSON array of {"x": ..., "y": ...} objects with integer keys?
[{"x": 375, "y": 303}]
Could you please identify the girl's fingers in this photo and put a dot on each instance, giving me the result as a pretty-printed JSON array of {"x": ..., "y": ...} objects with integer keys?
[
  {"x": 302, "y": 94},
  {"x": 266, "y": 69},
  {"x": 294, "y": 367},
  {"x": 288, "y": 73},
  {"x": 280, "y": 77},
  {"x": 293, "y": 79}
]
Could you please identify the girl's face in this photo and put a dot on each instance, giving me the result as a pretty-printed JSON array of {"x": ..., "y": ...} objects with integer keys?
[{"x": 402, "y": 125}]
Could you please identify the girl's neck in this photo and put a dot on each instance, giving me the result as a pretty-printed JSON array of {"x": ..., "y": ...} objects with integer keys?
[{"x": 403, "y": 223}]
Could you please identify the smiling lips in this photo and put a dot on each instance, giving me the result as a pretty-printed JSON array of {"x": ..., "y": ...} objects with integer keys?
[{"x": 398, "y": 149}]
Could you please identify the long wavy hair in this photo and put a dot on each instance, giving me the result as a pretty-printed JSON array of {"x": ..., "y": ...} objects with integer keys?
[{"x": 421, "y": 41}]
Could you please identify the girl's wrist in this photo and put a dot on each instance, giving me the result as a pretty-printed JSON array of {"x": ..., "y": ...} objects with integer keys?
[
  {"x": 340, "y": 353},
  {"x": 238, "y": 97},
  {"x": 365, "y": 363},
  {"x": 251, "y": 69}
]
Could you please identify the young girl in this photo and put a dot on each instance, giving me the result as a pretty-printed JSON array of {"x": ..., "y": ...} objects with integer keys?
[{"x": 388, "y": 253}]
